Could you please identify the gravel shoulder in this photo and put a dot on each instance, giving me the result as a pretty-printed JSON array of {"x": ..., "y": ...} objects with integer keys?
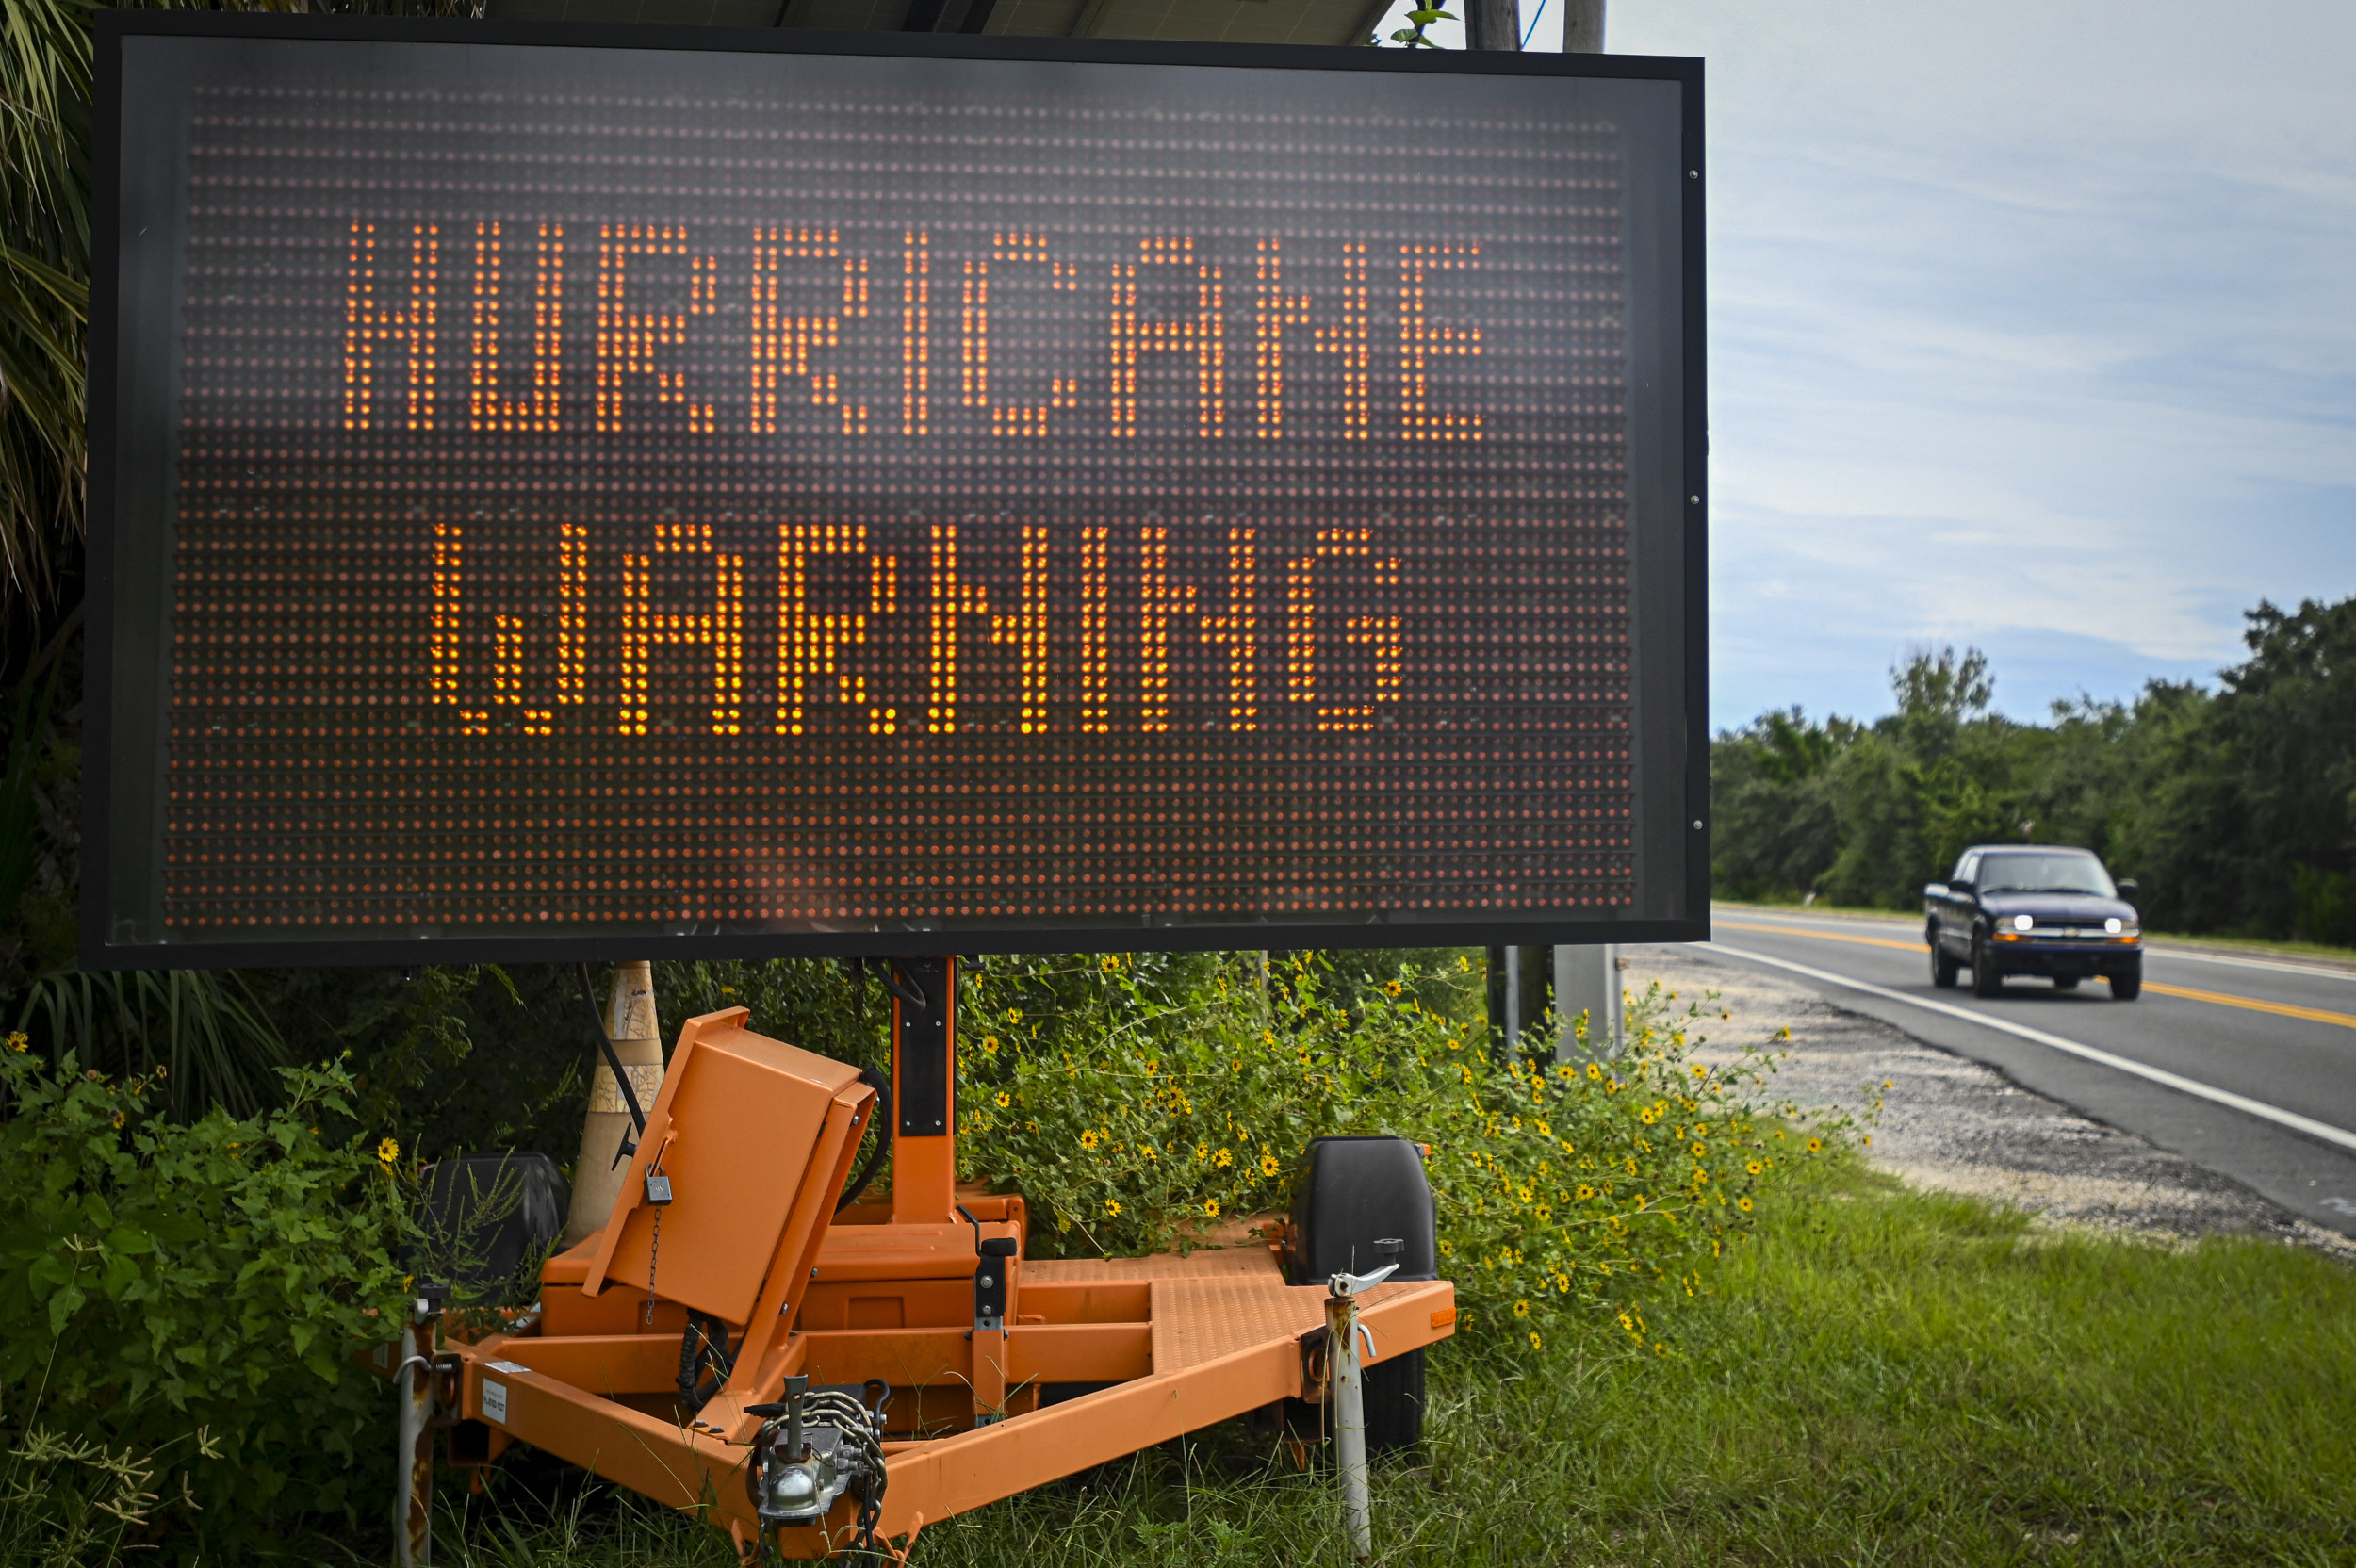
[{"x": 1953, "y": 1125}]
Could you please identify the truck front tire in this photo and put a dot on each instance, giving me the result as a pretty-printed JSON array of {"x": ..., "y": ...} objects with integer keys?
[{"x": 1986, "y": 979}]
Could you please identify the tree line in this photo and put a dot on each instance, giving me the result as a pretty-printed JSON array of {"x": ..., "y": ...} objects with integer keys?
[{"x": 2234, "y": 807}]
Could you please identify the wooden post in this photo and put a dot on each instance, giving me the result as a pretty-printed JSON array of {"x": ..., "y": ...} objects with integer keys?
[
  {"x": 1493, "y": 24},
  {"x": 638, "y": 1041},
  {"x": 1583, "y": 26}
]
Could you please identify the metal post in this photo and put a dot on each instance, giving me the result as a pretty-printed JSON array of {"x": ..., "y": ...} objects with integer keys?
[
  {"x": 1513, "y": 999},
  {"x": 1350, "y": 1421},
  {"x": 1343, "y": 1335},
  {"x": 413, "y": 1494},
  {"x": 1586, "y": 982},
  {"x": 924, "y": 1091}
]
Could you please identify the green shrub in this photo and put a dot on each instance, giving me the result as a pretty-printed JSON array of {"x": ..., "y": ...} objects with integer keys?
[
  {"x": 1139, "y": 1102},
  {"x": 189, "y": 1298}
]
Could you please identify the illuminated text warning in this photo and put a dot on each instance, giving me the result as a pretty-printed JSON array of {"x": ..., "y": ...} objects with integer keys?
[{"x": 866, "y": 501}]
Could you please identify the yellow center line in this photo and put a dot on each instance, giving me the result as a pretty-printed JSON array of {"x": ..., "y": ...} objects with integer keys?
[
  {"x": 1819, "y": 936},
  {"x": 2222, "y": 999},
  {"x": 2280, "y": 1010}
]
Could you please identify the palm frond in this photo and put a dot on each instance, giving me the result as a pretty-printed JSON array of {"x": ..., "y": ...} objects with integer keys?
[
  {"x": 205, "y": 1030},
  {"x": 45, "y": 54}
]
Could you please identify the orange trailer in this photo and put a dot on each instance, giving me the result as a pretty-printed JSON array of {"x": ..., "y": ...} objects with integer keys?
[{"x": 903, "y": 1360}]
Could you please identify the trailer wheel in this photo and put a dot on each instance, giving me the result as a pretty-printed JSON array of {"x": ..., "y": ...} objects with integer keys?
[
  {"x": 1393, "y": 1400},
  {"x": 1355, "y": 1192}
]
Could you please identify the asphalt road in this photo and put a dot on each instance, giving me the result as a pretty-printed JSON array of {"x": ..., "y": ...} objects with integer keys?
[{"x": 2245, "y": 1065}]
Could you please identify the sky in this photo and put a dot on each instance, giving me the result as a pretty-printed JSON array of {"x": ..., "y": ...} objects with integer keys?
[{"x": 2032, "y": 329}]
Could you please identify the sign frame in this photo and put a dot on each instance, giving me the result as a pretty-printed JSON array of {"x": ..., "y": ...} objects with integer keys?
[{"x": 100, "y": 765}]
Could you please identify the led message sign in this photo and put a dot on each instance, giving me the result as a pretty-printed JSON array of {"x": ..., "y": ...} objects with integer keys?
[{"x": 561, "y": 495}]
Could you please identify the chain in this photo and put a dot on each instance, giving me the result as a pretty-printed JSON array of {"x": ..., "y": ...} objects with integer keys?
[{"x": 654, "y": 1256}]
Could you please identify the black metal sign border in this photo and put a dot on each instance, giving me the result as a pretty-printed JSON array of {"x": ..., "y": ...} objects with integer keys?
[{"x": 113, "y": 26}]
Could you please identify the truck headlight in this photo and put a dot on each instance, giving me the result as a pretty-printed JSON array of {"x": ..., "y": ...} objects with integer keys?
[
  {"x": 2024, "y": 923},
  {"x": 2114, "y": 925}
]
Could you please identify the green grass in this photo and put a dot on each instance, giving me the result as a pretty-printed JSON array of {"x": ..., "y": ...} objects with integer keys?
[{"x": 1882, "y": 1377}]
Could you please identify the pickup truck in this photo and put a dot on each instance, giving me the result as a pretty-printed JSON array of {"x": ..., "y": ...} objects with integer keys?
[{"x": 2042, "y": 909}]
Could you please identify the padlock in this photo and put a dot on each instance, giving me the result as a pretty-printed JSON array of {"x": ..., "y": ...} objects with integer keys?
[{"x": 658, "y": 1188}]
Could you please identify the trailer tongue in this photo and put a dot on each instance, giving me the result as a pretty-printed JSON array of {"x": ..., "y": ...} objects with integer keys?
[{"x": 813, "y": 1380}]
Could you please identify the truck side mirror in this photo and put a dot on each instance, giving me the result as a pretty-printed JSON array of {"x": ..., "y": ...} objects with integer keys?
[
  {"x": 2129, "y": 889},
  {"x": 1961, "y": 886}
]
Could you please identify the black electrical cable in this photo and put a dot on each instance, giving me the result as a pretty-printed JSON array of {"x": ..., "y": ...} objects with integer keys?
[
  {"x": 614, "y": 1060},
  {"x": 895, "y": 980},
  {"x": 882, "y": 1123},
  {"x": 705, "y": 1344}
]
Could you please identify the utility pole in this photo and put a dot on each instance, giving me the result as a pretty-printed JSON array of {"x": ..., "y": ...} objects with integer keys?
[
  {"x": 1493, "y": 24},
  {"x": 1497, "y": 25},
  {"x": 1586, "y": 978},
  {"x": 1583, "y": 26}
]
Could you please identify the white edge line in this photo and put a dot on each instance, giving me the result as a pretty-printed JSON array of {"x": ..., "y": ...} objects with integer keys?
[
  {"x": 2292, "y": 1119},
  {"x": 2275, "y": 965}
]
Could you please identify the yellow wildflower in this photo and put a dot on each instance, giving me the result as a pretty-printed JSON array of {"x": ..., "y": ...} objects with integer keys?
[
  {"x": 1267, "y": 1165},
  {"x": 1087, "y": 1140},
  {"x": 1005, "y": 1099},
  {"x": 990, "y": 1045},
  {"x": 387, "y": 1152},
  {"x": 17, "y": 1041},
  {"x": 1222, "y": 1159},
  {"x": 1210, "y": 1206},
  {"x": 1112, "y": 1207},
  {"x": 1742, "y": 1203}
]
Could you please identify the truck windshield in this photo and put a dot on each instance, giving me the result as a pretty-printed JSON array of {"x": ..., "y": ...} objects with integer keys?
[{"x": 2045, "y": 873}]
